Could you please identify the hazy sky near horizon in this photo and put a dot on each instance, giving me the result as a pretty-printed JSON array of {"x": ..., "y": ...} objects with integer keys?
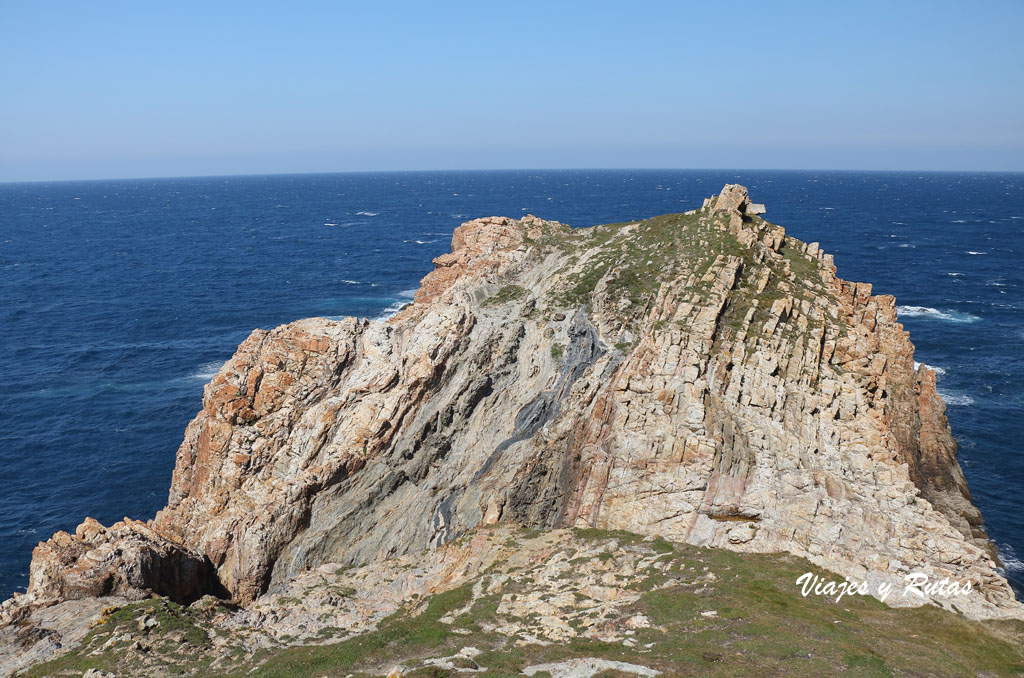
[{"x": 139, "y": 89}]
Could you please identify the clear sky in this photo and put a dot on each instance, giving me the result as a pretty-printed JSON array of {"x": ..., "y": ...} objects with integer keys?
[{"x": 138, "y": 89}]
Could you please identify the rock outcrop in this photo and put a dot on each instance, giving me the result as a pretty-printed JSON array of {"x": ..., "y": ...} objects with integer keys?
[
  {"x": 701, "y": 376},
  {"x": 506, "y": 600}
]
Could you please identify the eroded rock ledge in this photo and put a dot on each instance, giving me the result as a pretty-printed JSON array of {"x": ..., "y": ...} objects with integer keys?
[{"x": 700, "y": 376}]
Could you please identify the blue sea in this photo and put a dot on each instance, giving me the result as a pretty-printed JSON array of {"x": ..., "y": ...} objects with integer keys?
[{"x": 120, "y": 299}]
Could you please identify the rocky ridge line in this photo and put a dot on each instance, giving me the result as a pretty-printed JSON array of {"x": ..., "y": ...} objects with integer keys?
[{"x": 700, "y": 376}]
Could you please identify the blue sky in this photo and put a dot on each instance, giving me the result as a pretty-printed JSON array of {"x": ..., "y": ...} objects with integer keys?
[{"x": 138, "y": 89}]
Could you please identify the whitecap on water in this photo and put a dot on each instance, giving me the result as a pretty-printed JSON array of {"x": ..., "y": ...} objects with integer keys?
[
  {"x": 391, "y": 310},
  {"x": 936, "y": 314},
  {"x": 939, "y": 371},
  {"x": 368, "y": 214},
  {"x": 404, "y": 298},
  {"x": 976, "y": 253},
  {"x": 1011, "y": 563},
  {"x": 206, "y": 371},
  {"x": 954, "y": 399}
]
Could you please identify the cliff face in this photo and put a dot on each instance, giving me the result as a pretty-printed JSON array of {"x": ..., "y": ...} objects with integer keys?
[{"x": 700, "y": 376}]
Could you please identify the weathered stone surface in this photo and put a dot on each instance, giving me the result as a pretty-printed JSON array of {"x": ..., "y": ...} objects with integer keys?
[
  {"x": 42, "y": 632},
  {"x": 506, "y": 590},
  {"x": 700, "y": 376},
  {"x": 127, "y": 560},
  {"x": 733, "y": 197}
]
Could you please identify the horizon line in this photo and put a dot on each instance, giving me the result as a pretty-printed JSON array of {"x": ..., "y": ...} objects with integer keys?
[{"x": 506, "y": 169}]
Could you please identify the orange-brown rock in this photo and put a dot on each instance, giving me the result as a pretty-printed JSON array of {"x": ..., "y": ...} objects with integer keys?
[{"x": 699, "y": 376}]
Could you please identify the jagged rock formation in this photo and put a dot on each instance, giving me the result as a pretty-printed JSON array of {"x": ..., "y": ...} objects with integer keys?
[{"x": 700, "y": 376}]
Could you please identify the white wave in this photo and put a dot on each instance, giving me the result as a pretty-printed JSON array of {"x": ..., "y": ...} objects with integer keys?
[
  {"x": 206, "y": 371},
  {"x": 330, "y": 223},
  {"x": 391, "y": 310},
  {"x": 421, "y": 242},
  {"x": 959, "y": 221},
  {"x": 408, "y": 294},
  {"x": 954, "y": 274},
  {"x": 368, "y": 214},
  {"x": 936, "y": 314},
  {"x": 956, "y": 399},
  {"x": 907, "y": 244},
  {"x": 939, "y": 371},
  {"x": 1011, "y": 563},
  {"x": 976, "y": 253},
  {"x": 351, "y": 282}
]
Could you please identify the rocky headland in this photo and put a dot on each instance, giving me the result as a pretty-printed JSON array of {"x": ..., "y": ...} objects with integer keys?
[{"x": 701, "y": 380}]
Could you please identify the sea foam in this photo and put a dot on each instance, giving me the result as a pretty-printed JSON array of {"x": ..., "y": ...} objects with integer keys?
[
  {"x": 1011, "y": 563},
  {"x": 954, "y": 399},
  {"x": 939, "y": 371},
  {"x": 391, "y": 311},
  {"x": 206, "y": 371},
  {"x": 936, "y": 314}
]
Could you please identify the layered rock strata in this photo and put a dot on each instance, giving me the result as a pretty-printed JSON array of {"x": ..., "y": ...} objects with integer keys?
[{"x": 700, "y": 376}]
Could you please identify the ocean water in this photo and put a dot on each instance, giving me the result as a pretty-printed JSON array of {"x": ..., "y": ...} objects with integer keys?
[{"x": 119, "y": 299}]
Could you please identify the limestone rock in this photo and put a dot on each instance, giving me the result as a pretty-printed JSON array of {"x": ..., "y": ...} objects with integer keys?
[
  {"x": 700, "y": 376},
  {"x": 128, "y": 560},
  {"x": 734, "y": 198}
]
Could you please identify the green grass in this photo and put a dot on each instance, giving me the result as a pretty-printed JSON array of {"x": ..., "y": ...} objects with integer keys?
[
  {"x": 621, "y": 268},
  {"x": 761, "y": 626},
  {"x": 506, "y": 294},
  {"x": 624, "y": 265},
  {"x": 399, "y": 634},
  {"x": 179, "y": 631}
]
